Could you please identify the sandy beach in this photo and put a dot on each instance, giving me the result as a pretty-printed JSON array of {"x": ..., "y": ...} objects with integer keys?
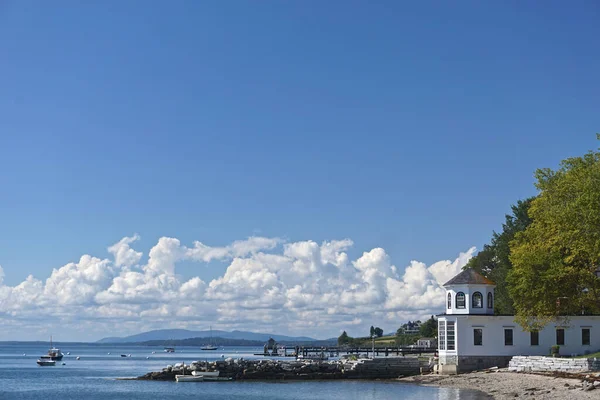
[{"x": 501, "y": 384}]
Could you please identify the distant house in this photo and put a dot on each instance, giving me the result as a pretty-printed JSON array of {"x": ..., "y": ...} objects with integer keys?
[
  {"x": 471, "y": 337},
  {"x": 427, "y": 342}
]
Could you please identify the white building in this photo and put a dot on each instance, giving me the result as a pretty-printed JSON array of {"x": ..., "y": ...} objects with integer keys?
[{"x": 471, "y": 337}]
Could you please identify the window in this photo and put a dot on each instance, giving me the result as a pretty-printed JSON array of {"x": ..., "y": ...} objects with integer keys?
[
  {"x": 490, "y": 300},
  {"x": 450, "y": 335},
  {"x": 560, "y": 337},
  {"x": 460, "y": 300},
  {"x": 534, "y": 338},
  {"x": 442, "y": 335},
  {"x": 585, "y": 336},
  {"x": 508, "y": 337},
  {"x": 449, "y": 301},
  {"x": 477, "y": 300},
  {"x": 478, "y": 337}
]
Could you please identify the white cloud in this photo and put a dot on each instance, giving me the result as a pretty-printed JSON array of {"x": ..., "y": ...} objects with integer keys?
[
  {"x": 124, "y": 255},
  {"x": 300, "y": 287}
]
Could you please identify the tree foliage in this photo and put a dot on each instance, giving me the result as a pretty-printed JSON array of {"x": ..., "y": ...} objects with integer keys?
[
  {"x": 406, "y": 340},
  {"x": 343, "y": 339},
  {"x": 429, "y": 328},
  {"x": 555, "y": 258},
  {"x": 494, "y": 262}
]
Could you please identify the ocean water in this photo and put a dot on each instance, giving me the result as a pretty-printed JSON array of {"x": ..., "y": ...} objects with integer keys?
[{"x": 94, "y": 377}]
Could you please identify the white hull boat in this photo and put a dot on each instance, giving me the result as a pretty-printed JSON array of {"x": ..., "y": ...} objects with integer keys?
[
  {"x": 189, "y": 378},
  {"x": 209, "y": 346},
  {"x": 46, "y": 361},
  {"x": 212, "y": 374}
]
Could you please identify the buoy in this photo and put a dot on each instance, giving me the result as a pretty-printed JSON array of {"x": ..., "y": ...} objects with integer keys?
[
  {"x": 222, "y": 355},
  {"x": 109, "y": 353},
  {"x": 128, "y": 355},
  {"x": 24, "y": 354},
  {"x": 147, "y": 358},
  {"x": 64, "y": 364},
  {"x": 78, "y": 358},
  {"x": 68, "y": 353}
]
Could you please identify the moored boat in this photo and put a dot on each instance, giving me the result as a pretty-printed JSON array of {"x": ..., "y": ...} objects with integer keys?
[
  {"x": 54, "y": 353},
  {"x": 211, "y": 374},
  {"x": 209, "y": 346},
  {"x": 46, "y": 361},
  {"x": 189, "y": 378}
]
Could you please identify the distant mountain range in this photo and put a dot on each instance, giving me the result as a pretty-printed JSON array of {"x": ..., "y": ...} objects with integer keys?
[{"x": 179, "y": 334}]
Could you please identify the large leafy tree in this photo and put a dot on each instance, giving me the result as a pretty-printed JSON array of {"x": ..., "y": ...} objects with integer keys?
[
  {"x": 494, "y": 260},
  {"x": 556, "y": 257},
  {"x": 429, "y": 328}
]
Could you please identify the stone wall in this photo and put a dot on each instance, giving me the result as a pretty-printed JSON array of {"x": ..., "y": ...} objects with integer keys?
[
  {"x": 474, "y": 363},
  {"x": 389, "y": 367},
  {"x": 548, "y": 364}
]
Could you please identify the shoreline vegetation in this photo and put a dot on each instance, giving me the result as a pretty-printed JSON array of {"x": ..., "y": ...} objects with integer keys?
[{"x": 502, "y": 384}]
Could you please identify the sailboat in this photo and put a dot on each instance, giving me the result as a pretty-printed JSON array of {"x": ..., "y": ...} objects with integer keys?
[
  {"x": 209, "y": 346},
  {"x": 54, "y": 353}
]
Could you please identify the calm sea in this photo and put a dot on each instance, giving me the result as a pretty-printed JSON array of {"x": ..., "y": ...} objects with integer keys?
[{"x": 94, "y": 377}]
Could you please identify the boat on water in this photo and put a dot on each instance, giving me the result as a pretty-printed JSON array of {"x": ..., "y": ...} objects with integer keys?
[
  {"x": 209, "y": 346},
  {"x": 189, "y": 378},
  {"x": 54, "y": 353},
  {"x": 169, "y": 349},
  {"x": 202, "y": 376},
  {"x": 211, "y": 374},
  {"x": 46, "y": 361}
]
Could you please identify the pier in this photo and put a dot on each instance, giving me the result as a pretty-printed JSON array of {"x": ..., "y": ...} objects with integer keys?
[{"x": 308, "y": 352}]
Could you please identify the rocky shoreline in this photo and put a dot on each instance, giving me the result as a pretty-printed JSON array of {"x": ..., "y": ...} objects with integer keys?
[
  {"x": 502, "y": 384},
  {"x": 384, "y": 368}
]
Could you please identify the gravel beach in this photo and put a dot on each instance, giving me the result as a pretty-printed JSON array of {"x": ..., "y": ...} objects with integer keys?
[{"x": 501, "y": 384}]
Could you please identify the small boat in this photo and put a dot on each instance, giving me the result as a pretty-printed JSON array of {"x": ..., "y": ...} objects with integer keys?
[
  {"x": 212, "y": 374},
  {"x": 202, "y": 376},
  {"x": 189, "y": 378},
  {"x": 209, "y": 346},
  {"x": 54, "y": 353},
  {"x": 169, "y": 349},
  {"x": 46, "y": 361},
  {"x": 123, "y": 355}
]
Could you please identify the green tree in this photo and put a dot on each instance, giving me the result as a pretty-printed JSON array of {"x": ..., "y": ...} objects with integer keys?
[
  {"x": 372, "y": 331},
  {"x": 429, "y": 328},
  {"x": 343, "y": 339},
  {"x": 494, "y": 261},
  {"x": 406, "y": 340},
  {"x": 378, "y": 332},
  {"x": 556, "y": 257}
]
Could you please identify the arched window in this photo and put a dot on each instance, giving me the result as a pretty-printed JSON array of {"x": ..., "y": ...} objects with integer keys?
[
  {"x": 477, "y": 300},
  {"x": 449, "y": 301},
  {"x": 490, "y": 300},
  {"x": 460, "y": 300}
]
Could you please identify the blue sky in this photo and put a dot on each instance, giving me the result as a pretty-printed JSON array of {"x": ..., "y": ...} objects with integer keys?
[{"x": 410, "y": 127}]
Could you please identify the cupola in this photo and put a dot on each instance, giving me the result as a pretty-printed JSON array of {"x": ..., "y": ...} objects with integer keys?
[{"x": 469, "y": 293}]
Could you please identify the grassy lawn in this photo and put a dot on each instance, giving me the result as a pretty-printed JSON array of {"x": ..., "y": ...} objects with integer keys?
[{"x": 596, "y": 354}]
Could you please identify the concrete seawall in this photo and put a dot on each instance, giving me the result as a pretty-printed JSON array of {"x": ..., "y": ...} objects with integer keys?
[{"x": 379, "y": 368}]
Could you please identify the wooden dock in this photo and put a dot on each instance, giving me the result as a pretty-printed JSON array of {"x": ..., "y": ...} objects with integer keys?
[{"x": 307, "y": 352}]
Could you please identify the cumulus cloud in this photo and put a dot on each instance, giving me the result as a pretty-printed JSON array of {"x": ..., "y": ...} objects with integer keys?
[
  {"x": 298, "y": 287},
  {"x": 124, "y": 255}
]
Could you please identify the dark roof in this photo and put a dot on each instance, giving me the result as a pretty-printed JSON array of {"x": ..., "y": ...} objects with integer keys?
[{"x": 469, "y": 276}]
